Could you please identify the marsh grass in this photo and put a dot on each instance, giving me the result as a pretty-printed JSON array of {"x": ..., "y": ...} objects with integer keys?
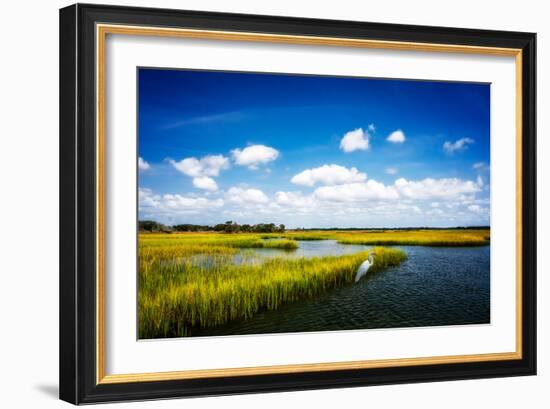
[
  {"x": 179, "y": 296},
  {"x": 189, "y": 281},
  {"x": 283, "y": 244},
  {"x": 435, "y": 238},
  {"x": 198, "y": 243},
  {"x": 306, "y": 236},
  {"x": 420, "y": 237}
]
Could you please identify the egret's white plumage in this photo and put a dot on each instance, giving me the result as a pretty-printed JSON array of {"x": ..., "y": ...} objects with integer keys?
[{"x": 364, "y": 267}]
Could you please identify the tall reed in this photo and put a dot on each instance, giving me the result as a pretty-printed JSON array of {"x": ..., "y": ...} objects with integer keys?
[
  {"x": 419, "y": 237},
  {"x": 177, "y": 296},
  {"x": 435, "y": 238}
]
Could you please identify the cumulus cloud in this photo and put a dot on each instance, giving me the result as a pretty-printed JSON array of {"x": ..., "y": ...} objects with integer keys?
[
  {"x": 148, "y": 199},
  {"x": 353, "y": 192},
  {"x": 445, "y": 188},
  {"x": 328, "y": 175},
  {"x": 157, "y": 205},
  {"x": 142, "y": 164},
  {"x": 206, "y": 183},
  {"x": 255, "y": 155},
  {"x": 357, "y": 209},
  {"x": 474, "y": 208},
  {"x": 371, "y": 128},
  {"x": 187, "y": 203},
  {"x": 210, "y": 165},
  {"x": 425, "y": 189},
  {"x": 355, "y": 140},
  {"x": 295, "y": 199},
  {"x": 457, "y": 146},
  {"x": 360, "y": 204},
  {"x": 396, "y": 137},
  {"x": 478, "y": 210},
  {"x": 241, "y": 196},
  {"x": 392, "y": 171}
]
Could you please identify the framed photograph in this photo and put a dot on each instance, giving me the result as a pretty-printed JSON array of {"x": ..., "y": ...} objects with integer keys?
[{"x": 257, "y": 203}]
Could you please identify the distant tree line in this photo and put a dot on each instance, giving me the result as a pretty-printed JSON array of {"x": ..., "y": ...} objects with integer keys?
[
  {"x": 154, "y": 227},
  {"x": 233, "y": 227},
  {"x": 227, "y": 227}
]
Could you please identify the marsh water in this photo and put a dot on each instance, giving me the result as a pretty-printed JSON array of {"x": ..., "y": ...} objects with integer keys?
[
  {"x": 307, "y": 249},
  {"x": 434, "y": 286}
]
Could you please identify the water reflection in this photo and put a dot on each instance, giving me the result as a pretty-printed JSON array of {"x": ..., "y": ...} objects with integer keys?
[
  {"x": 435, "y": 286},
  {"x": 307, "y": 249}
]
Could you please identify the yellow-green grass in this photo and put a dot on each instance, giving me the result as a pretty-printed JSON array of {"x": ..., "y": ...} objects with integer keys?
[
  {"x": 439, "y": 238},
  {"x": 420, "y": 237},
  {"x": 179, "y": 295},
  {"x": 198, "y": 243},
  {"x": 191, "y": 280}
]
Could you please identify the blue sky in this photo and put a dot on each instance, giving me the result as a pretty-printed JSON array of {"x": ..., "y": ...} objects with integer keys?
[{"x": 312, "y": 151}]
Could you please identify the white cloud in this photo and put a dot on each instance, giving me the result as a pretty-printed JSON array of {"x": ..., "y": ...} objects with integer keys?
[
  {"x": 479, "y": 181},
  {"x": 371, "y": 128},
  {"x": 146, "y": 198},
  {"x": 474, "y": 208},
  {"x": 396, "y": 137},
  {"x": 246, "y": 196},
  {"x": 355, "y": 140},
  {"x": 205, "y": 182},
  {"x": 295, "y": 199},
  {"x": 159, "y": 206},
  {"x": 179, "y": 202},
  {"x": 457, "y": 146},
  {"x": 425, "y": 189},
  {"x": 353, "y": 192},
  {"x": 142, "y": 164},
  {"x": 478, "y": 210},
  {"x": 361, "y": 204},
  {"x": 254, "y": 155},
  {"x": 328, "y": 175},
  {"x": 435, "y": 212},
  {"x": 435, "y": 188},
  {"x": 392, "y": 171},
  {"x": 210, "y": 165},
  {"x": 480, "y": 166}
]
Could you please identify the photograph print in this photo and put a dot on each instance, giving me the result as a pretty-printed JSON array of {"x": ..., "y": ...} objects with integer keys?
[{"x": 284, "y": 203}]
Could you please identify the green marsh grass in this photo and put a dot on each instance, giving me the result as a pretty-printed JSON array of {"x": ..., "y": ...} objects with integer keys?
[
  {"x": 178, "y": 294},
  {"x": 435, "y": 238},
  {"x": 420, "y": 237},
  {"x": 191, "y": 280}
]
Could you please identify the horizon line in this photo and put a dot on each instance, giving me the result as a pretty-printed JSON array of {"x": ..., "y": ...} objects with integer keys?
[{"x": 333, "y": 227}]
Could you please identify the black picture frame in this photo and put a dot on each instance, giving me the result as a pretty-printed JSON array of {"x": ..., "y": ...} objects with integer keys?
[{"x": 78, "y": 360}]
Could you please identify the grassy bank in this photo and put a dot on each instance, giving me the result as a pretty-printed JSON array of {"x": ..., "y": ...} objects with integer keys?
[
  {"x": 186, "y": 244},
  {"x": 190, "y": 280},
  {"x": 178, "y": 294},
  {"x": 440, "y": 238},
  {"x": 421, "y": 237}
]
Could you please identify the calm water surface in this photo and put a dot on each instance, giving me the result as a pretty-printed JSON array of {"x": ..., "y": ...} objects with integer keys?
[
  {"x": 308, "y": 249},
  {"x": 435, "y": 286}
]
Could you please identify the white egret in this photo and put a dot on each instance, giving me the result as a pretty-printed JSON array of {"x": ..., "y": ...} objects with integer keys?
[{"x": 364, "y": 267}]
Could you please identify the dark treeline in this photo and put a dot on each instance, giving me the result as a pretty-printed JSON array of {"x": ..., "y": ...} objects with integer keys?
[
  {"x": 227, "y": 227},
  {"x": 233, "y": 227}
]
